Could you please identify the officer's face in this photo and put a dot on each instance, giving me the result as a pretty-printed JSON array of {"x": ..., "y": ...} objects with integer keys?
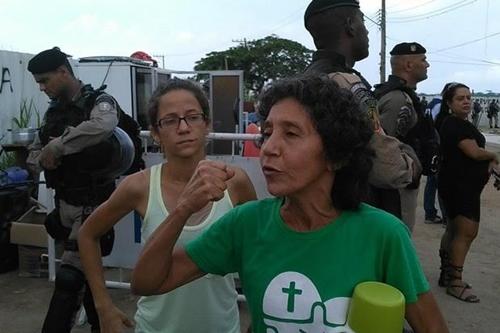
[
  {"x": 361, "y": 44},
  {"x": 420, "y": 65},
  {"x": 51, "y": 83}
]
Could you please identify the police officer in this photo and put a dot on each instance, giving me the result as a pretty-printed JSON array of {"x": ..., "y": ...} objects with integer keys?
[
  {"x": 400, "y": 109},
  {"x": 72, "y": 146},
  {"x": 341, "y": 39}
]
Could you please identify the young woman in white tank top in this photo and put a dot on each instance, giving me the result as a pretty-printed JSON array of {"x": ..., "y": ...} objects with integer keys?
[{"x": 178, "y": 112}]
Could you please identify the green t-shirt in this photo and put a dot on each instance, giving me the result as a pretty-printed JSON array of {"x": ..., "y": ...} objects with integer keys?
[{"x": 304, "y": 280}]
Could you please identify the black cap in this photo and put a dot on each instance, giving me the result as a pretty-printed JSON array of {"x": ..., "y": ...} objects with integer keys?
[
  {"x": 408, "y": 49},
  {"x": 317, "y": 6},
  {"x": 47, "y": 61}
]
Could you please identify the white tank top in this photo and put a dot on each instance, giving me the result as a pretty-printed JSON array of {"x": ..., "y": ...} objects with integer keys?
[{"x": 204, "y": 305}]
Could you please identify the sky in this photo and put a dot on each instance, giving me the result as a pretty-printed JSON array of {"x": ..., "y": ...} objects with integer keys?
[{"x": 462, "y": 37}]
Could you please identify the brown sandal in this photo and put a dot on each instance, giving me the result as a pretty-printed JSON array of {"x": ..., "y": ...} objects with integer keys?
[
  {"x": 460, "y": 294},
  {"x": 458, "y": 288}
]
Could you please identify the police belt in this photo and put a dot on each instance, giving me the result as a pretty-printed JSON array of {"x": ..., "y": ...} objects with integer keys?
[
  {"x": 106, "y": 243},
  {"x": 88, "y": 195},
  {"x": 71, "y": 245}
]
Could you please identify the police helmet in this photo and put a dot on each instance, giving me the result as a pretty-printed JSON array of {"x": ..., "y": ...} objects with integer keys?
[
  {"x": 106, "y": 160},
  {"x": 122, "y": 157}
]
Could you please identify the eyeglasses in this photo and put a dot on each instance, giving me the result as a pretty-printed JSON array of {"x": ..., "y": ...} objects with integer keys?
[{"x": 174, "y": 121}]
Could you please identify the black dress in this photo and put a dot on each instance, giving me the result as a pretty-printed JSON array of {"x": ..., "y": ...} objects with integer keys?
[{"x": 461, "y": 178}]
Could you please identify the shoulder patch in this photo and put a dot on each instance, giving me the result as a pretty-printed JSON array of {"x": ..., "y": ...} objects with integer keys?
[
  {"x": 105, "y": 102},
  {"x": 105, "y": 98},
  {"x": 104, "y": 106},
  {"x": 408, "y": 99}
]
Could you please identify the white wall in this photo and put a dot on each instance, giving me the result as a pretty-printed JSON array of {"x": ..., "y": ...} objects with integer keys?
[{"x": 16, "y": 84}]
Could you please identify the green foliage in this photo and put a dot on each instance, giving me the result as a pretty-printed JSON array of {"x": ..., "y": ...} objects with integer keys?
[
  {"x": 488, "y": 93},
  {"x": 7, "y": 159},
  {"x": 261, "y": 60},
  {"x": 26, "y": 112}
]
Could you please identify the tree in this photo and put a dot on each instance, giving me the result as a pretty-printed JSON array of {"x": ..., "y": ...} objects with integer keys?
[{"x": 261, "y": 60}]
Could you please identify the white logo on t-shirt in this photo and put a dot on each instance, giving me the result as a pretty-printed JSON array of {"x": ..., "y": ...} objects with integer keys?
[{"x": 292, "y": 304}]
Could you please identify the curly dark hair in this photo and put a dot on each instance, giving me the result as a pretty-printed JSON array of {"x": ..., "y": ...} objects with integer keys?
[
  {"x": 344, "y": 130},
  {"x": 176, "y": 84},
  {"x": 447, "y": 95}
]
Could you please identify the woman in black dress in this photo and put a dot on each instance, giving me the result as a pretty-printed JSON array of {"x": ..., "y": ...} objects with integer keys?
[{"x": 465, "y": 170}]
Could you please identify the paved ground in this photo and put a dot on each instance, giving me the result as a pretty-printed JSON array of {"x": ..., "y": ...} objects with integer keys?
[{"x": 24, "y": 301}]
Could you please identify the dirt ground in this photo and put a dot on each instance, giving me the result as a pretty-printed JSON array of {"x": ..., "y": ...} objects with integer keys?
[
  {"x": 481, "y": 270},
  {"x": 24, "y": 301}
]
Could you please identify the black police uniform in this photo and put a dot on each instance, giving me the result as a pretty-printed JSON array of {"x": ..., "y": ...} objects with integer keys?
[{"x": 82, "y": 151}]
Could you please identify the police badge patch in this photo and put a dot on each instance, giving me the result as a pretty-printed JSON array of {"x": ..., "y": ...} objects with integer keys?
[
  {"x": 104, "y": 106},
  {"x": 105, "y": 102}
]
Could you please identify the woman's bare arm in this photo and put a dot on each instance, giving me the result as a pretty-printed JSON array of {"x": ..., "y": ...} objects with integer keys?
[
  {"x": 241, "y": 188},
  {"x": 124, "y": 199},
  {"x": 470, "y": 148},
  {"x": 424, "y": 315}
]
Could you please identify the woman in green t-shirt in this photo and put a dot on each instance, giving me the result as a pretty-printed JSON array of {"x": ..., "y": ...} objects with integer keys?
[{"x": 300, "y": 254}]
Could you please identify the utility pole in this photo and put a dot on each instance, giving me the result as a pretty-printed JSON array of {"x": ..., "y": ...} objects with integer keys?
[
  {"x": 162, "y": 56},
  {"x": 244, "y": 41},
  {"x": 382, "y": 43}
]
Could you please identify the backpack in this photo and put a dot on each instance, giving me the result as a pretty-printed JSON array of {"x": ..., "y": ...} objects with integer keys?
[
  {"x": 423, "y": 137},
  {"x": 126, "y": 123},
  {"x": 426, "y": 144}
]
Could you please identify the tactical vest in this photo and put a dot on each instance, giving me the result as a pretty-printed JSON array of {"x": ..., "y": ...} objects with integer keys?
[
  {"x": 332, "y": 63},
  {"x": 395, "y": 83},
  {"x": 423, "y": 137},
  {"x": 74, "y": 180}
]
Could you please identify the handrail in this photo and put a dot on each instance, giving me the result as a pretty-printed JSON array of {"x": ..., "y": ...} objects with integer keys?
[{"x": 220, "y": 136}]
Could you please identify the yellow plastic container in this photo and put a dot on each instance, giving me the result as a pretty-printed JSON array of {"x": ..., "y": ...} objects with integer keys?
[{"x": 376, "y": 308}]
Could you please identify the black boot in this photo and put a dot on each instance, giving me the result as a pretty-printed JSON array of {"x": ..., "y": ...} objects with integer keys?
[
  {"x": 88, "y": 303},
  {"x": 65, "y": 301}
]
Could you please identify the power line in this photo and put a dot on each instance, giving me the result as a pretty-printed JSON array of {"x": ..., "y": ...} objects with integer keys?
[
  {"x": 398, "y": 5},
  {"x": 428, "y": 15},
  {"x": 466, "y": 43},
  {"x": 370, "y": 25},
  {"x": 462, "y": 57},
  {"x": 195, "y": 52},
  {"x": 394, "y": 39},
  {"x": 486, "y": 24},
  {"x": 410, "y": 8},
  {"x": 476, "y": 63},
  {"x": 373, "y": 21},
  {"x": 433, "y": 11},
  {"x": 461, "y": 63},
  {"x": 373, "y": 15},
  {"x": 441, "y": 52},
  {"x": 286, "y": 20}
]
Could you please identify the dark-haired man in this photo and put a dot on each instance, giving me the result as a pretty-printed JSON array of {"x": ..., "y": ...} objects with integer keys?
[
  {"x": 71, "y": 147},
  {"x": 341, "y": 39}
]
